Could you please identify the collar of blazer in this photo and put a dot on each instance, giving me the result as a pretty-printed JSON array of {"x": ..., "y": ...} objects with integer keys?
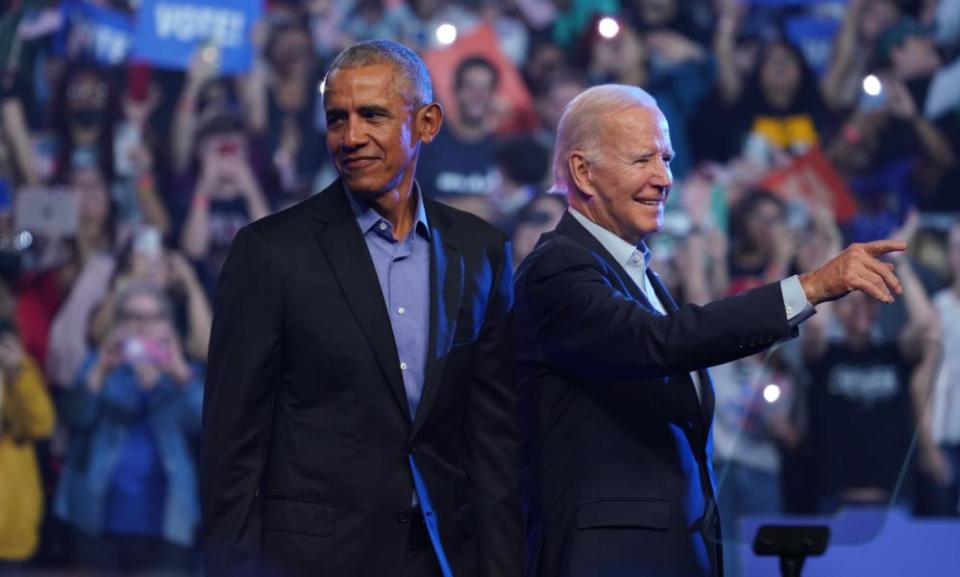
[
  {"x": 570, "y": 228},
  {"x": 343, "y": 245}
]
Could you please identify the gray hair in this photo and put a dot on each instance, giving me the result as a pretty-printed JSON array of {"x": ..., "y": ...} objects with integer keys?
[
  {"x": 410, "y": 67},
  {"x": 578, "y": 127}
]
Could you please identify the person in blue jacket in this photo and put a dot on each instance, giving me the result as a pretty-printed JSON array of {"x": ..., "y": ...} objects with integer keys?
[{"x": 129, "y": 487}]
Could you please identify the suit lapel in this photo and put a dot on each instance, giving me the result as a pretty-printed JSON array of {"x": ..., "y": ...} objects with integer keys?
[
  {"x": 706, "y": 386},
  {"x": 343, "y": 245},
  {"x": 446, "y": 292},
  {"x": 569, "y": 227}
]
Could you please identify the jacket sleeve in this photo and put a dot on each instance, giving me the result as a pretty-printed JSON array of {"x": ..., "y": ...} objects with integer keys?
[
  {"x": 585, "y": 325},
  {"x": 492, "y": 434},
  {"x": 238, "y": 406},
  {"x": 29, "y": 411}
]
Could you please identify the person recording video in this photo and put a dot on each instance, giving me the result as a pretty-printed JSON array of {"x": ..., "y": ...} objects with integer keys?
[{"x": 129, "y": 485}]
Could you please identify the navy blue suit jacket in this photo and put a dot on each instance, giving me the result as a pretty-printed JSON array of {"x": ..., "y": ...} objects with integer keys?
[
  {"x": 617, "y": 477},
  {"x": 307, "y": 432}
]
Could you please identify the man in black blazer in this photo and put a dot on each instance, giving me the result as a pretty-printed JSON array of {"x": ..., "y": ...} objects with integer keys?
[
  {"x": 360, "y": 411},
  {"x": 615, "y": 400}
]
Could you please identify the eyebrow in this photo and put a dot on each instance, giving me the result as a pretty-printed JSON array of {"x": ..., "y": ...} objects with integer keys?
[
  {"x": 366, "y": 109},
  {"x": 648, "y": 153}
]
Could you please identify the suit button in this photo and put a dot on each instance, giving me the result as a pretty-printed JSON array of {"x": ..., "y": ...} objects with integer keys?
[{"x": 403, "y": 517}]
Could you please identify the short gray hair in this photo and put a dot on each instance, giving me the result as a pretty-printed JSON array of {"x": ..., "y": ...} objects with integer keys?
[
  {"x": 577, "y": 128},
  {"x": 411, "y": 68}
]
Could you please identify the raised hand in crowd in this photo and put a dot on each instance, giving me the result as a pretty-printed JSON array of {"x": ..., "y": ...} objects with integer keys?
[
  {"x": 109, "y": 357},
  {"x": 200, "y": 73},
  {"x": 174, "y": 362},
  {"x": 672, "y": 47}
]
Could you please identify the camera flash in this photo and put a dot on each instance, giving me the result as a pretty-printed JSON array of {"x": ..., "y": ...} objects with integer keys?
[
  {"x": 446, "y": 33},
  {"x": 771, "y": 393},
  {"x": 608, "y": 27}
]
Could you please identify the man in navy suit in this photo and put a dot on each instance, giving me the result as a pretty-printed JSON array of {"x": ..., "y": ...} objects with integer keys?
[
  {"x": 615, "y": 400},
  {"x": 360, "y": 411}
]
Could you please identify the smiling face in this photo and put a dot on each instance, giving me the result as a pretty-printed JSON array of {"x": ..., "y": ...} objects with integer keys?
[
  {"x": 625, "y": 187},
  {"x": 374, "y": 130}
]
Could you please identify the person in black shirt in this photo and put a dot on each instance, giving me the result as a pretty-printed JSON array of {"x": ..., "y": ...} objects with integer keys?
[
  {"x": 460, "y": 168},
  {"x": 867, "y": 392}
]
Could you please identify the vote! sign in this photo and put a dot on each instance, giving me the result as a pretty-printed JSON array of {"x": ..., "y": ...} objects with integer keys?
[
  {"x": 96, "y": 33},
  {"x": 168, "y": 32}
]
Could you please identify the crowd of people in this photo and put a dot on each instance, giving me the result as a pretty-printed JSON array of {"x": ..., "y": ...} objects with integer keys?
[{"x": 122, "y": 187}]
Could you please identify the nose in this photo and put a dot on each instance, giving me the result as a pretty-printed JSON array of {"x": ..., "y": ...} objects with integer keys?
[
  {"x": 662, "y": 176},
  {"x": 354, "y": 136}
]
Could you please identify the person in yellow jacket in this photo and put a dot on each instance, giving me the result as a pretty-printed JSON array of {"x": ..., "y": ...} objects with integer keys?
[{"x": 26, "y": 416}]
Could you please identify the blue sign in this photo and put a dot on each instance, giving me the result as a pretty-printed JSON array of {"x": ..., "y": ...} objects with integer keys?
[
  {"x": 814, "y": 36},
  {"x": 169, "y": 31},
  {"x": 100, "y": 34}
]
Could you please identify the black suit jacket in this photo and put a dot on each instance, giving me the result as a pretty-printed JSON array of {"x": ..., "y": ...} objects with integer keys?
[
  {"x": 617, "y": 478},
  {"x": 307, "y": 433}
]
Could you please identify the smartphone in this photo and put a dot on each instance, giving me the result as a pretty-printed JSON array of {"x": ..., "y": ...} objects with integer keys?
[
  {"x": 873, "y": 95},
  {"x": 148, "y": 241},
  {"x": 798, "y": 217},
  {"x": 210, "y": 55},
  {"x": 125, "y": 140},
  {"x": 53, "y": 212},
  {"x": 144, "y": 350}
]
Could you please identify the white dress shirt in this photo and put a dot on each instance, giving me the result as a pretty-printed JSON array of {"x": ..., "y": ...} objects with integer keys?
[{"x": 635, "y": 259}]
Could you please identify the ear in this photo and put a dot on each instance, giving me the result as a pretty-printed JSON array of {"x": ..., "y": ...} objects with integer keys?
[
  {"x": 580, "y": 170},
  {"x": 429, "y": 120}
]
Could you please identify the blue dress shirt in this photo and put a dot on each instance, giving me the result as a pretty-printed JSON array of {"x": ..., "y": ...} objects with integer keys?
[{"x": 403, "y": 270}]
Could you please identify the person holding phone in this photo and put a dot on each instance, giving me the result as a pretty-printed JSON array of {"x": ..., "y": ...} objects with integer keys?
[
  {"x": 129, "y": 484},
  {"x": 227, "y": 194}
]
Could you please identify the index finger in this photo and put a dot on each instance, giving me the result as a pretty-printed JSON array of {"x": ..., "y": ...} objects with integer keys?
[{"x": 882, "y": 247}]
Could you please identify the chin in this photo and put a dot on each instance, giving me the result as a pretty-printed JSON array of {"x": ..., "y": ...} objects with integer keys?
[{"x": 362, "y": 187}]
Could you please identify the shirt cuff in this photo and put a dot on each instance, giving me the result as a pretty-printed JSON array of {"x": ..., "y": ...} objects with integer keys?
[{"x": 795, "y": 303}]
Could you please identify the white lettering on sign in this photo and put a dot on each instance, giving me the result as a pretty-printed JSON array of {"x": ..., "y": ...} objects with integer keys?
[
  {"x": 111, "y": 45},
  {"x": 106, "y": 44},
  {"x": 459, "y": 183},
  {"x": 187, "y": 23},
  {"x": 867, "y": 384}
]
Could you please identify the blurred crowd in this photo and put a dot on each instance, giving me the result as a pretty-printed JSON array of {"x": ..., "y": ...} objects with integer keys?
[{"x": 799, "y": 127}]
